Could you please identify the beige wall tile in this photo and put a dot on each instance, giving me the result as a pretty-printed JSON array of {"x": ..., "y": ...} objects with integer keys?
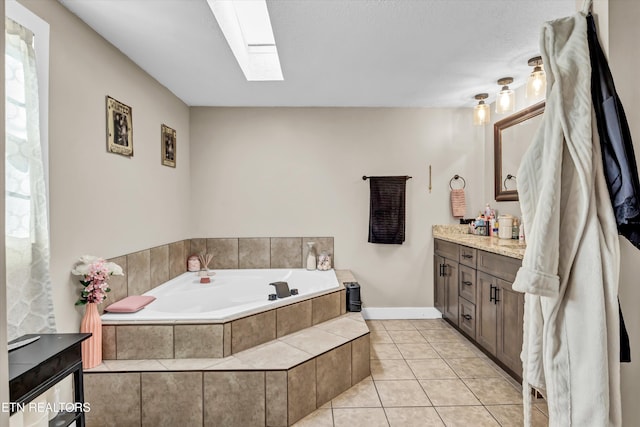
[
  {"x": 117, "y": 284},
  {"x": 253, "y": 330},
  {"x": 293, "y": 317},
  {"x": 234, "y": 399},
  {"x": 108, "y": 342},
  {"x": 226, "y": 350},
  {"x": 171, "y": 399},
  {"x": 159, "y": 261},
  {"x": 225, "y": 253},
  {"x": 198, "y": 341},
  {"x": 138, "y": 273},
  {"x": 320, "y": 244},
  {"x": 360, "y": 359},
  {"x": 177, "y": 258},
  {"x": 254, "y": 253},
  {"x": 276, "y": 398},
  {"x": 198, "y": 246},
  {"x": 114, "y": 399},
  {"x": 286, "y": 252},
  {"x": 302, "y": 390},
  {"x": 334, "y": 370},
  {"x": 144, "y": 342},
  {"x": 325, "y": 307}
]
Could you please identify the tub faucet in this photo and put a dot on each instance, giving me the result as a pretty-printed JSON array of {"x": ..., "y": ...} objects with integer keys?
[{"x": 282, "y": 289}]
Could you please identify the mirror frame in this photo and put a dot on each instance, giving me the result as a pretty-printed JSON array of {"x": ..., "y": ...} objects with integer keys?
[{"x": 512, "y": 120}]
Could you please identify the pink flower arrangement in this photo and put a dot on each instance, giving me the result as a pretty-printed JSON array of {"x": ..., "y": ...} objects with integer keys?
[{"x": 95, "y": 272}]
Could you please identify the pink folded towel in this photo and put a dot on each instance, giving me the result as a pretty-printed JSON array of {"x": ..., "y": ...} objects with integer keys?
[
  {"x": 458, "y": 203},
  {"x": 130, "y": 304}
]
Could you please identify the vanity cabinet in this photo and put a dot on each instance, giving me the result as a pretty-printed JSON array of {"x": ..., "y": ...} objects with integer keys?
[
  {"x": 488, "y": 310},
  {"x": 446, "y": 280}
]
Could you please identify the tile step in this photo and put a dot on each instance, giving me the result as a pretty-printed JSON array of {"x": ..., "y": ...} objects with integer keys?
[{"x": 273, "y": 384}]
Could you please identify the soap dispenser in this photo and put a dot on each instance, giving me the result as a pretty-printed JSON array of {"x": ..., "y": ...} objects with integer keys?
[{"x": 311, "y": 256}]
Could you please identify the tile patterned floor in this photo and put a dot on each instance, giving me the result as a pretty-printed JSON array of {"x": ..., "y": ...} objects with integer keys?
[{"x": 425, "y": 373}]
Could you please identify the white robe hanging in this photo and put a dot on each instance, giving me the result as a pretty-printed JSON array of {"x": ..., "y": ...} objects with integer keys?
[{"x": 571, "y": 264}]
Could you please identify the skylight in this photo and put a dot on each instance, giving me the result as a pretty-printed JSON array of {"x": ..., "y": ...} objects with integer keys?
[{"x": 247, "y": 28}]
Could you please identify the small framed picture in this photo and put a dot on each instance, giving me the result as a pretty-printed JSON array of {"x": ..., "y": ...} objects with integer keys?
[
  {"x": 119, "y": 128},
  {"x": 168, "y": 141}
]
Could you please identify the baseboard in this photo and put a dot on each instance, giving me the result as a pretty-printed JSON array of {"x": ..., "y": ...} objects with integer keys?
[{"x": 374, "y": 313}]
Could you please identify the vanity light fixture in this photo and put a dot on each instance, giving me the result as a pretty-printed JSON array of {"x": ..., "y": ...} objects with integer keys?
[
  {"x": 506, "y": 100},
  {"x": 537, "y": 81},
  {"x": 481, "y": 112},
  {"x": 247, "y": 28}
]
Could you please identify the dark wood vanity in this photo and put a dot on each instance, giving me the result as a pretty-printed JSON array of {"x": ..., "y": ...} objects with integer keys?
[{"x": 472, "y": 290}]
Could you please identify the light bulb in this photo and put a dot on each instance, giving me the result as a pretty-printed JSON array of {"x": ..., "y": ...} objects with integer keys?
[{"x": 506, "y": 99}]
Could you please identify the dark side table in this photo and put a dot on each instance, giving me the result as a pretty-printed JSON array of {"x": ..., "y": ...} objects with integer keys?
[{"x": 38, "y": 366}]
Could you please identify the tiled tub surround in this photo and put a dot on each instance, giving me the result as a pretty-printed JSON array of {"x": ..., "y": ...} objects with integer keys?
[
  {"x": 144, "y": 270},
  {"x": 189, "y": 339},
  {"x": 274, "y": 384}
]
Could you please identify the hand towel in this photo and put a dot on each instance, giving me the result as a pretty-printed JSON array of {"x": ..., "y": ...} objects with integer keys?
[
  {"x": 387, "y": 209},
  {"x": 458, "y": 203}
]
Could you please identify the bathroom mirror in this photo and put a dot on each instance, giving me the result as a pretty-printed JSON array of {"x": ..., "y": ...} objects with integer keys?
[{"x": 511, "y": 138}]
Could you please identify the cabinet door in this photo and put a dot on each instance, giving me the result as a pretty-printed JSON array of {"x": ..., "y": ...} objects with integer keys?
[
  {"x": 510, "y": 322},
  {"x": 486, "y": 312},
  {"x": 451, "y": 291},
  {"x": 438, "y": 283}
]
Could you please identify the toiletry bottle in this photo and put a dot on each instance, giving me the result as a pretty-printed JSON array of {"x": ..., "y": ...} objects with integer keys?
[
  {"x": 496, "y": 228},
  {"x": 521, "y": 234},
  {"x": 492, "y": 225},
  {"x": 311, "y": 257},
  {"x": 515, "y": 230},
  {"x": 487, "y": 211}
]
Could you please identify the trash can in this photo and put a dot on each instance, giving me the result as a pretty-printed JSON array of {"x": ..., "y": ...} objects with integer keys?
[{"x": 354, "y": 303}]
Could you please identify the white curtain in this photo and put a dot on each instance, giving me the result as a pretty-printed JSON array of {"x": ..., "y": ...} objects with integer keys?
[{"x": 29, "y": 302}]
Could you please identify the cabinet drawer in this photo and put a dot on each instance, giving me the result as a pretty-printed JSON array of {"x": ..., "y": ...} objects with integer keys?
[
  {"x": 467, "y": 283},
  {"x": 467, "y": 319},
  {"x": 468, "y": 256},
  {"x": 499, "y": 266},
  {"x": 446, "y": 249}
]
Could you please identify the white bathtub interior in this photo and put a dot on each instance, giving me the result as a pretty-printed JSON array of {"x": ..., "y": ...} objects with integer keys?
[{"x": 231, "y": 294}]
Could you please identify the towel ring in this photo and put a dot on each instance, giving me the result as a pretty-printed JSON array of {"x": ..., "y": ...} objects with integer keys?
[
  {"x": 456, "y": 177},
  {"x": 509, "y": 176}
]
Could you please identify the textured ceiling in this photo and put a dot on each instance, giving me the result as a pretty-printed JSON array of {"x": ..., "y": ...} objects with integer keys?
[{"x": 397, "y": 53}]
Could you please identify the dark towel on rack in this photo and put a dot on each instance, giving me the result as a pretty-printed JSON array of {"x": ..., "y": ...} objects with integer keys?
[{"x": 387, "y": 209}]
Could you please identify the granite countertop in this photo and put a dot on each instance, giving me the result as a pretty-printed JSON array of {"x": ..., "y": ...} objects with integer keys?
[{"x": 459, "y": 234}]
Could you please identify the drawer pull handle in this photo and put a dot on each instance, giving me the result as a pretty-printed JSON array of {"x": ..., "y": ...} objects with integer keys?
[
  {"x": 467, "y": 316},
  {"x": 467, "y": 283},
  {"x": 495, "y": 298},
  {"x": 467, "y": 256},
  {"x": 492, "y": 289}
]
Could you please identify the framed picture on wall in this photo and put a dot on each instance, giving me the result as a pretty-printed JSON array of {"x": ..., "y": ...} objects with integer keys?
[
  {"x": 168, "y": 143},
  {"x": 119, "y": 128}
]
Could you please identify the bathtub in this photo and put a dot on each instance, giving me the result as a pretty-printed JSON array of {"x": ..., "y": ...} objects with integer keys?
[{"x": 230, "y": 295}]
